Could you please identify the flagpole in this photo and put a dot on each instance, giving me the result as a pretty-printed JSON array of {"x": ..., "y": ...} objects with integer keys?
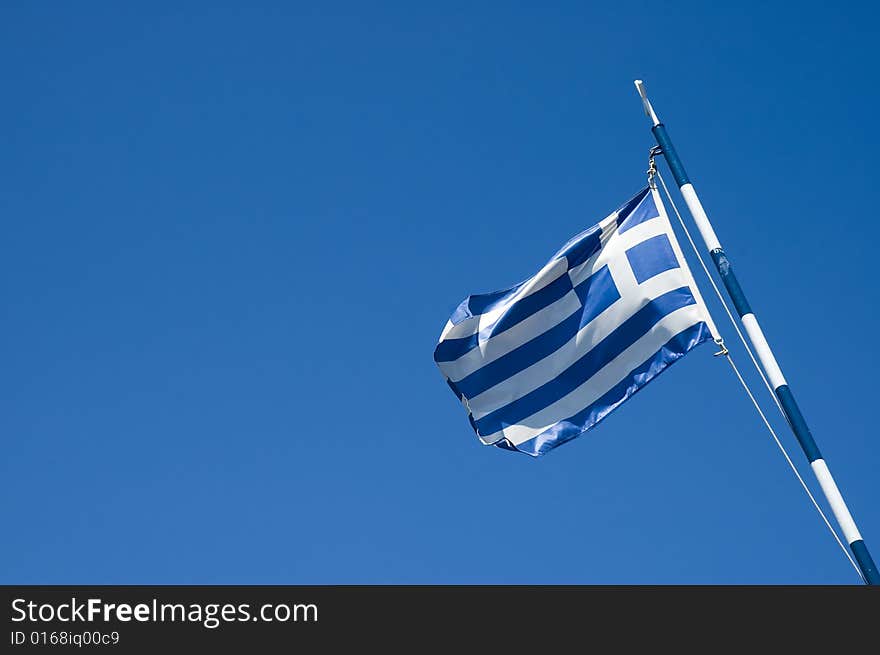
[{"x": 762, "y": 348}]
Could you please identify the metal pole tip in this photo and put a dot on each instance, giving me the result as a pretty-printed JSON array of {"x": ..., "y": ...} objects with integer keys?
[{"x": 649, "y": 110}]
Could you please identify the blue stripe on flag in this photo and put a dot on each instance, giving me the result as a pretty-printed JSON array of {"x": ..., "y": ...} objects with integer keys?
[
  {"x": 582, "y": 247},
  {"x": 519, "y": 358},
  {"x": 602, "y": 294},
  {"x": 588, "y": 365},
  {"x": 482, "y": 303},
  {"x": 570, "y": 428},
  {"x": 627, "y": 208},
  {"x": 638, "y": 210},
  {"x": 454, "y": 388},
  {"x": 451, "y": 349}
]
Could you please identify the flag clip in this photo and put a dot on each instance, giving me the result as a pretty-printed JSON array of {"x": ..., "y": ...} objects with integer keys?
[{"x": 652, "y": 166}]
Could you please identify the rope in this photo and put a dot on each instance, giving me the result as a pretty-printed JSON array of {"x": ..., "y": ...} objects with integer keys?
[{"x": 745, "y": 385}]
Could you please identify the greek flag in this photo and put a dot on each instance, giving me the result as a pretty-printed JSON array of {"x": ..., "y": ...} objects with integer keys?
[{"x": 539, "y": 363}]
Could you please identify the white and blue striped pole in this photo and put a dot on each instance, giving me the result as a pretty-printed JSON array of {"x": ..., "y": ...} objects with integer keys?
[{"x": 762, "y": 349}]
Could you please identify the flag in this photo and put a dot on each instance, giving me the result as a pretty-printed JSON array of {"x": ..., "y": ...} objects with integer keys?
[{"x": 540, "y": 363}]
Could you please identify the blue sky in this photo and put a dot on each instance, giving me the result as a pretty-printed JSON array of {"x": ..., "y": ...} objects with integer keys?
[{"x": 233, "y": 233}]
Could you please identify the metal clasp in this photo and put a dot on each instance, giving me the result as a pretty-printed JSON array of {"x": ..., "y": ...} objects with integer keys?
[{"x": 652, "y": 167}]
